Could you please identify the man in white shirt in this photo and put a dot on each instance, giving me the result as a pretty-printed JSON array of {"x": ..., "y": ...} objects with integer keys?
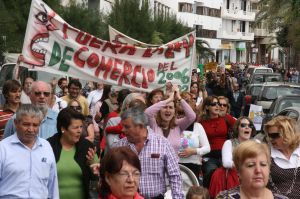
[{"x": 27, "y": 162}]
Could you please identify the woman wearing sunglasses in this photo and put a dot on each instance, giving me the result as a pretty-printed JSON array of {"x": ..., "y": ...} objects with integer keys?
[
  {"x": 285, "y": 152},
  {"x": 243, "y": 130},
  {"x": 216, "y": 129}
]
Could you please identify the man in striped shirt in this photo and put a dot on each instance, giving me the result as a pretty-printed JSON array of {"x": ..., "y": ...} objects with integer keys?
[{"x": 158, "y": 158}]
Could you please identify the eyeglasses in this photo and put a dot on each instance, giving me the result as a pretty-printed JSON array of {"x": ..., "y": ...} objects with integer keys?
[
  {"x": 125, "y": 175},
  {"x": 224, "y": 105},
  {"x": 244, "y": 125},
  {"x": 46, "y": 94},
  {"x": 273, "y": 135},
  {"x": 214, "y": 104},
  {"x": 77, "y": 108}
]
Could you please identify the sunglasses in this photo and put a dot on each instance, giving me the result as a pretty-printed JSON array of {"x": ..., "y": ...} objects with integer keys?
[
  {"x": 273, "y": 135},
  {"x": 244, "y": 125},
  {"x": 77, "y": 108},
  {"x": 46, "y": 94},
  {"x": 214, "y": 104},
  {"x": 224, "y": 105}
]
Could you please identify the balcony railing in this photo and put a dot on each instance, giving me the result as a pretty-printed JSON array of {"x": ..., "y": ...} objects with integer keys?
[
  {"x": 236, "y": 14},
  {"x": 245, "y": 36}
]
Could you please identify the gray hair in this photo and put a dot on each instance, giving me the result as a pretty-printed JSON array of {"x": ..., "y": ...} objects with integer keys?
[
  {"x": 28, "y": 110},
  {"x": 137, "y": 115},
  {"x": 38, "y": 83},
  {"x": 128, "y": 99}
]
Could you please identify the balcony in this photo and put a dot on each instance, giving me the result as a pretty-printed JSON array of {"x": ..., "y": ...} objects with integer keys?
[
  {"x": 261, "y": 32},
  {"x": 244, "y": 36},
  {"x": 235, "y": 14}
]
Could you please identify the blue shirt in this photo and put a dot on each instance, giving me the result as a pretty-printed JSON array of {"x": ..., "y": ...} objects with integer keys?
[
  {"x": 25, "y": 172},
  {"x": 47, "y": 127}
]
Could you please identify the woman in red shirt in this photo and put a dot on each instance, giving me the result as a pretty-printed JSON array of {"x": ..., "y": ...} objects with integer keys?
[
  {"x": 216, "y": 128},
  {"x": 12, "y": 93}
]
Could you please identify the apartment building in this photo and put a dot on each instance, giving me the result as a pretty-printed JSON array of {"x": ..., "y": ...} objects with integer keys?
[
  {"x": 235, "y": 31},
  {"x": 225, "y": 24},
  {"x": 205, "y": 17}
]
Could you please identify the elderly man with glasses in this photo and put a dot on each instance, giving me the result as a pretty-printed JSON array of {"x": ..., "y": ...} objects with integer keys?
[{"x": 39, "y": 95}]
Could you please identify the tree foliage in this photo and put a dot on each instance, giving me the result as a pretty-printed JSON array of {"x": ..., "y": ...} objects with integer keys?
[
  {"x": 284, "y": 17},
  {"x": 131, "y": 17}
]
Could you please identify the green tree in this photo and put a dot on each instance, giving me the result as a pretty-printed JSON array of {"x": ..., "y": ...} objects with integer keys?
[
  {"x": 136, "y": 21},
  {"x": 88, "y": 20},
  {"x": 14, "y": 16},
  {"x": 284, "y": 17},
  {"x": 132, "y": 19}
]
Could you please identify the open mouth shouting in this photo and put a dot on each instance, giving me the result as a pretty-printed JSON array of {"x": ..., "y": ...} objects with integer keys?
[{"x": 36, "y": 46}]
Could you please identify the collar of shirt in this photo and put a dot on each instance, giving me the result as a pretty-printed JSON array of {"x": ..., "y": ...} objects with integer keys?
[
  {"x": 15, "y": 140},
  {"x": 283, "y": 162},
  {"x": 51, "y": 114}
]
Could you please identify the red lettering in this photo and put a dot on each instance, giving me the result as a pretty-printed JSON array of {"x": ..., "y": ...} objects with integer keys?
[
  {"x": 147, "y": 53},
  {"x": 112, "y": 46},
  {"x": 160, "y": 50},
  {"x": 144, "y": 83},
  {"x": 83, "y": 38},
  {"x": 115, "y": 71},
  {"x": 65, "y": 29},
  {"x": 169, "y": 52},
  {"x": 131, "y": 50},
  {"x": 187, "y": 44},
  {"x": 177, "y": 46},
  {"x": 136, "y": 69},
  {"x": 172, "y": 66},
  {"x": 96, "y": 43},
  {"x": 104, "y": 66},
  {"x": 163, "y": 66},
  {"x": 127, "y": 69},
  {"x": 93, "y": 60},
  {"x": 79, "y": 62}
]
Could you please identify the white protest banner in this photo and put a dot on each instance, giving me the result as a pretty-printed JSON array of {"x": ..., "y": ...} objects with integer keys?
[
  {"x": 54, "y": 46},
  {"x": 255, "y": 114},
  {"x": 116, "y": 36}
]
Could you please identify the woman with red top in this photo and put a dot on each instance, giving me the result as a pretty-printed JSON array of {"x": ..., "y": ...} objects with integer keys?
[
  {"x": 12, "y": 94},
  {"x": 216, "y": 129},
  {"x": 120, "y": 173}
]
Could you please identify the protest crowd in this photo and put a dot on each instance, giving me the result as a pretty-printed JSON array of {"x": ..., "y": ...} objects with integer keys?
[
  {"x": 103, "y": 141},
  {"x": 143, "y": 125}
]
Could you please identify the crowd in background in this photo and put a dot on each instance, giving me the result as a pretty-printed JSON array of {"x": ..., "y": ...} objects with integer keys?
[{"x": 141, "y": 138}]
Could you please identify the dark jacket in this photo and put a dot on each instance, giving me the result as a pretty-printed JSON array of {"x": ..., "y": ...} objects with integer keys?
[{"x": 82, "y": 147}]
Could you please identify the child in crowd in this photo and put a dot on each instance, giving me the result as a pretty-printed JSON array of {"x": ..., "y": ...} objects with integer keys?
[{"x": 197, "y": 192}]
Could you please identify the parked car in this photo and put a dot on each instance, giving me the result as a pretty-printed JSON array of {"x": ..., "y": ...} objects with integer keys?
[
  {"x": 281, "y": 103},
  {"x": 292, "y": 112},
  {"x": 258, "y": 69},
  {"x": 265, "y": 77},
  {"x": 272, "y": 90}
]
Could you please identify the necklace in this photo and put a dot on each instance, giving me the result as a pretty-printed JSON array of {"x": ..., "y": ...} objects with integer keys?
[{"x": 293, "y": 182}]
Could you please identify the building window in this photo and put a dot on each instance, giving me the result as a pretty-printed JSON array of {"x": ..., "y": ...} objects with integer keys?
[
  {"x": 185, "y": 7},
  {"x": 204, "y": 33},
  {"x": 212, "y": 12}
]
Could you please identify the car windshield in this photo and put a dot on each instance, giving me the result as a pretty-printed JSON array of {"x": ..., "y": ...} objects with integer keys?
[
  {"x": 263, "y": 70},
  {"x": 271, "y": 93},
  {"x": 288, "y": 102},
  {"x": 254, "y": 91},
  {"x": 260, "y": 78}
]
